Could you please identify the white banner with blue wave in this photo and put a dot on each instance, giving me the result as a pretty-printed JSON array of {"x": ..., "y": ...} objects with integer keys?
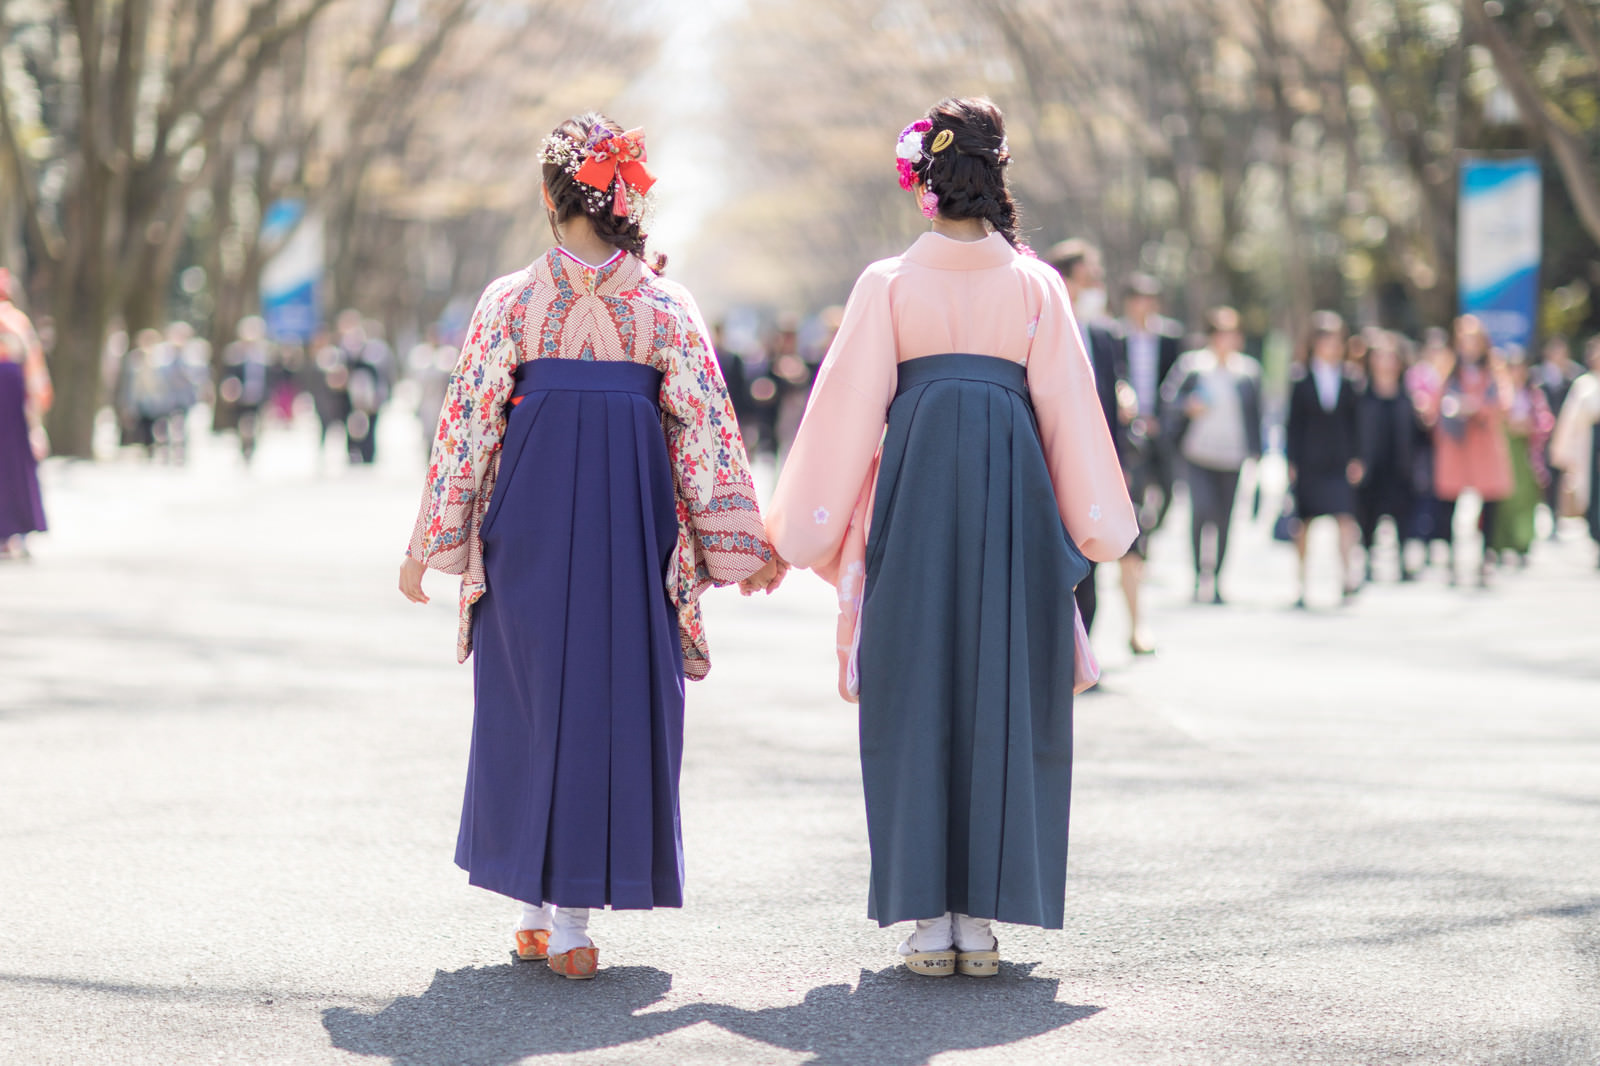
[
  {"x": 1498, "y": 245},
  {"x": 291, "y": 280}
]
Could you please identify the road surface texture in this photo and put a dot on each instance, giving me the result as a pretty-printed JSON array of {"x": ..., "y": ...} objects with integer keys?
[{"x": 231, "y": 758}]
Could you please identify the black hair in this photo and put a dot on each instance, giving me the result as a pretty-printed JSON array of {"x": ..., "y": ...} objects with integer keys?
[
  {"x": 968, "y": 173},
  {"x": 572, "y": 198}
]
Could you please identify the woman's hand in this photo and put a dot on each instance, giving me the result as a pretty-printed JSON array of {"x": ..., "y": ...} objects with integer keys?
[
  {"x": 769, "y": 577},
  {"x": 411, "y": 572}
]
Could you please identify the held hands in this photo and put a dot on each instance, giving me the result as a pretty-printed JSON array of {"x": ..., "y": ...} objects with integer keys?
[
  {"x": 411, "y": 572},
  {"x": 768, "y": 578}
]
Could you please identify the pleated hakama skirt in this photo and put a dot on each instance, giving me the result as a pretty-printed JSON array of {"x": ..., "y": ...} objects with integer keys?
[
  {"x": 966, "y": 654},
  {"x": 572, "y": 786},
  {"x": 21, "y": 506}
]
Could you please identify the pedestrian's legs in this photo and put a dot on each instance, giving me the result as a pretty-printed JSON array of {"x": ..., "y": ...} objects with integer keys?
[
  {"x": 1445, "y": 529},
  {"x": 1302, "y": 538},
  {"x": 1227, "y": 487},
  {"x": 1486, "y": 517},
  {"x": 1132, "y": 567},
  {"x": 1348, "y": 535}
]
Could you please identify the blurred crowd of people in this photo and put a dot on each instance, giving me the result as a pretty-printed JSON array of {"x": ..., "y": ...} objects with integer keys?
[
  {"x": 1378, "y": 428},
  {"x": 154, "y": 383}
]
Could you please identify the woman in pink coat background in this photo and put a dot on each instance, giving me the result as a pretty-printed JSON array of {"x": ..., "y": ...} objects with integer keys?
[
  {"x": 952, "y": 476},
  {"x": 1466, "y": 406}
]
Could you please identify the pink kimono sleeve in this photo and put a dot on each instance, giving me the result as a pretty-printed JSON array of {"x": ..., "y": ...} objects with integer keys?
[
  {"x": 1090, "y": 490},
  {"x": 827, "y": 468}
]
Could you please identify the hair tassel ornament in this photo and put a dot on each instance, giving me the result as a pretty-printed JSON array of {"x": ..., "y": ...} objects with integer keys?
[{"x": 929, "y": 204}]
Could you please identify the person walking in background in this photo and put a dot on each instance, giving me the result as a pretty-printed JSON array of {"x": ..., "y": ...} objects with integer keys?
[
  {"x": 1466, "y": 412},
  {"x": 246, "y": 377},
  {"x": 1528, "y": 425},
  {"x": 369, "y": 375},
  {"x": 1078, "y": 262},
  {"x": 1150, "y": 348},
  {"x": 1212, "y": 406},
  {"x": 1386, "y": 428},
  {"x": 1323, "y": 448},
  {"x": 959, "y": 615},
  {"x": 146, "y": 403},
  {"x": 25, "y": 396},
  {"x": 1424, "y": 378},
  {"x": 1554, "y": 375},
  {"x": 589, "y": 483},
  {"x": 1575, "y": 445}
]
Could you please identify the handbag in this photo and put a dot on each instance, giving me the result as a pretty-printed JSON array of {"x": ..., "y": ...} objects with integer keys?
[{"x": 1287, "y": 524}]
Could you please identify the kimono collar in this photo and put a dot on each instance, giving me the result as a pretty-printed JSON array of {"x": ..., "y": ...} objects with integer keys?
[
  {"x": 944, "y": 253},
  {"x": 616, "y": 275}
]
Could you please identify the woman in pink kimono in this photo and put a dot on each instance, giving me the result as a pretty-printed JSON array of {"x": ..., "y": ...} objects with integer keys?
[{"x": 955, "y": 540}]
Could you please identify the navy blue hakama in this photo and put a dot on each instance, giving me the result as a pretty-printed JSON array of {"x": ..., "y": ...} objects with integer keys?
[{"x": 577, "y": 739}]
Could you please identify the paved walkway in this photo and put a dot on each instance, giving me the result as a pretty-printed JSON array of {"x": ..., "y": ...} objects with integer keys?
[{"x": 231, "y": 758}]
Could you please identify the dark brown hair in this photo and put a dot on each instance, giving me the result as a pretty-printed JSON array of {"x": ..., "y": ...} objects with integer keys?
[
  {"x": 572, "y": 198},
  {"x": 969, "y": 174}
]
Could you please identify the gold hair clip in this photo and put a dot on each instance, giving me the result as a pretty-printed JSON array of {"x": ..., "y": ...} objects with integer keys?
[{"x": 942, "y": 140}]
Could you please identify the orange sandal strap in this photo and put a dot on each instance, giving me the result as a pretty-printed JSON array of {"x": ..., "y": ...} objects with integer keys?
[
  {"x": 533, "y": 944},
  {"x": 578, "y": 964}
]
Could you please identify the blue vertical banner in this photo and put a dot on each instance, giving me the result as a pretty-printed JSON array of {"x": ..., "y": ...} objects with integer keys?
[
  {"x": 1498, "y": 245},
  {"x": 291, "y": 278}
]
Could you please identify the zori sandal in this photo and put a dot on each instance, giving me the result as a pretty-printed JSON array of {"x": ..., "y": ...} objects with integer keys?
[
  {"x": 533, "y": 945},
  {"x": 579, "y": 964},
  {"x": 931, "y": 963},
  {"x": 979, "y": 963}
]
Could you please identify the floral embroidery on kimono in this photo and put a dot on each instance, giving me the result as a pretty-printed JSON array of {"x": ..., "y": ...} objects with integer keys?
[{"x": 560, "y": 308}]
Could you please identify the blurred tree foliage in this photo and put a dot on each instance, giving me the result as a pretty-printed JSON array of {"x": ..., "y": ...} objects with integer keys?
[
  {"x": 144, "y": 138},
  {"x": 1275, "y": 154}
]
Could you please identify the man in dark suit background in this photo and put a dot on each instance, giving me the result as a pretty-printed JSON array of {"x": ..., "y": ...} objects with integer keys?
[
  {"x": 1078, "y": 262},
  {"x": 1150, "y": 346}
]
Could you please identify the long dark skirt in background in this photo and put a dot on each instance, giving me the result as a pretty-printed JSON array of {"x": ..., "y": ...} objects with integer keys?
[
  {"x": 577, "y": 737},
  {"x": 21, "y": 506},
  {"x": 967, "y": 654}
]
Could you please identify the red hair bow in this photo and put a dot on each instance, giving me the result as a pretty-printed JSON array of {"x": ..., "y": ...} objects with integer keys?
[{"x": 613, "y": 156}]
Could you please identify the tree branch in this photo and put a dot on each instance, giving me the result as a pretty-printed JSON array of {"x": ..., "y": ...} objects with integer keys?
[
  {"x": 1567, "y": 145},
  {"x": 40, "y": 228}
]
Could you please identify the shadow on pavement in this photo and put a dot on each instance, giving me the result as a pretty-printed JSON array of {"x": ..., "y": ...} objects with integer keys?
[
  {"x": 896, "y": 1018},
  {"x": 498, "y": 1015}
]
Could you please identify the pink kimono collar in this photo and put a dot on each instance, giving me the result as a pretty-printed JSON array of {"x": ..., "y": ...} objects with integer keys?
[{"x": 943, "y": 253}]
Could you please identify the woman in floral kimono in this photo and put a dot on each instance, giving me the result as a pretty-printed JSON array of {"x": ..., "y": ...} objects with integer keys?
[
  {"x": 996, "y": 483},
  {"x": 588, "y": 482}
]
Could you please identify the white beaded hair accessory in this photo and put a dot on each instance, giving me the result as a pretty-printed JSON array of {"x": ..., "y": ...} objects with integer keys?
[{"x": 608, "y": 170}]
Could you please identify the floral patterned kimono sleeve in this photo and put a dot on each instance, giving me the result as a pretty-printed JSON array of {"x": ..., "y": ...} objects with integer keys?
[
  {"x": 826, "y": 474},
  {"x": 721, "y": 538},
  {"x": 466, "y": 450},
  {"x": 1090, "y": 489}
]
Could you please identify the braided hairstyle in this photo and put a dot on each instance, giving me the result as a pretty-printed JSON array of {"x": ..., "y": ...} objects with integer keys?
[
  {"x": 572, "y": 197},
  {"x": 968, "y": 174}
]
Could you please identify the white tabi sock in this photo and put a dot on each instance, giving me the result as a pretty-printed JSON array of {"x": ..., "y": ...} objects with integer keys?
[
  {"x": 931, "y": 934},
  {"x": 974, "y": 934},
  {"x": 570, "y": 929},
  {"x": 534, "y": 916}
]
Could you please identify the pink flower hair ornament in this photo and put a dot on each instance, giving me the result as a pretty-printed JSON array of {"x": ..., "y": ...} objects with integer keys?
[{"x": 908, "y": 151}]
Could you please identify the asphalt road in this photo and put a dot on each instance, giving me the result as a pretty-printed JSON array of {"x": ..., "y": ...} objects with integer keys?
[{"x": 231, "y": 760}]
